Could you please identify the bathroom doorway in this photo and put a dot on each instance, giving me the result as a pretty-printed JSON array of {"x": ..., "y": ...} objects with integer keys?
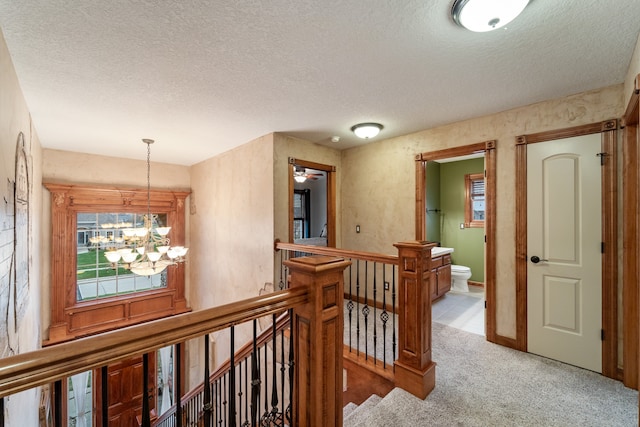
[{"x": 443, "y": 220}]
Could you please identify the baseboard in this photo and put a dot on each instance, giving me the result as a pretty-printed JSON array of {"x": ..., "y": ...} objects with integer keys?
[
  {"x": 478, "y": 284},
  {"x": 504, "y": 341}
]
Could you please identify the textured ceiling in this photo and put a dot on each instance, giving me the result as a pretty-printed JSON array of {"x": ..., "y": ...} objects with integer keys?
[{"x": 201, "y": 77}]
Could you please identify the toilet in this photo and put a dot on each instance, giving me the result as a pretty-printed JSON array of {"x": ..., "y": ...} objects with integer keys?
[{"x": 459, "y": 276}]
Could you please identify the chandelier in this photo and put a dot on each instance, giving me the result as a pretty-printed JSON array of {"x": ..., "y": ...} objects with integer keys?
[{"x": 144, "y": 250}]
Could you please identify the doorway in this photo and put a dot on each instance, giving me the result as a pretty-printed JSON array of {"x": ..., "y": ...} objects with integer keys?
[
  {"x": 561, "y": 285},
  {"x": 312, "y": 203},
  {"x": 488, "y": 150}
]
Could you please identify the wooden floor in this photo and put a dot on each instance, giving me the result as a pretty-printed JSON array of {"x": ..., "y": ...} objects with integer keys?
[{"x": 362, "y": 383}]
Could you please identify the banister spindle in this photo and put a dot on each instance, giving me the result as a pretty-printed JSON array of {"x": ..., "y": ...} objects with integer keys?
[
  {"x": 255, "y": 378},
  {"x": 291, "y": 364},
  {"x": 274, "y": 374},
  {"x": 206, "y": 404},
  {"x": 375, "y": 330},
  {"x": 282, "y": 370},
  {"x": 232, "y": 380},
  {"x": 384, "y": 316},
  {"x": 176, "y": 387},
  {"x": 358, "y": 307},
  {"x": 365, "y": 309}
]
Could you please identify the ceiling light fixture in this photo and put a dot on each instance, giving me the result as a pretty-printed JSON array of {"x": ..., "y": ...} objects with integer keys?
[
  {"x": 486, "y": 15},
  {"x": 366, "y": 130},
  {"x": 144, "y": 250},
  {"x": 299, "y": 174}
]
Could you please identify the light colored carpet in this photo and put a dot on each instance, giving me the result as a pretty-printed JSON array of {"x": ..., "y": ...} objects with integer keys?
[{"x": 483, "y": 384}]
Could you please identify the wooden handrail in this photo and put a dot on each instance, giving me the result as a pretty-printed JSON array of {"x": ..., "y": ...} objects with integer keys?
[
  {"x": 37, "y": 368},
  {"x": 343, "y": 253}
]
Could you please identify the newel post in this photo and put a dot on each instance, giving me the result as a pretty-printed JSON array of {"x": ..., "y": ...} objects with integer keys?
[
  {"x": 318, "y": 334},
  {"x": 414, "y": 370}
]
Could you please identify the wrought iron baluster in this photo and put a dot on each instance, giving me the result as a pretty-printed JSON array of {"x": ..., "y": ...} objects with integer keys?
[
  {"x": 232, "y": 380},
  {"x": 289, "y": 411},
  {"x": 240, "y": 392},
  {"x": 375, "y": 301},
  {"x": 393, "y": 304},
  {"x": 225, "y": 401},
  {"x": 246, "y": 396},
  {"x": 274, "y": 374},
  {"x": 206, "y": 407},
  {"x": 365, "y": 310},
  {"x": 177, "y": 386},
  {"x": 282, "y": 370},
  {"x": 281, "y": 284},
  {"x": 358, "y": 307},
  {"x": 384, "y": 317},
  {"x": 255, "y": 377},
  {"x": 266, "y": 386}
]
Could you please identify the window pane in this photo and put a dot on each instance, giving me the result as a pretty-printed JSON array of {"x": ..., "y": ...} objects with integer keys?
[
  {"x": 79, "y": 400},
  {"x": 478, "y": 208},
  {"x": 96, "y": 278}
]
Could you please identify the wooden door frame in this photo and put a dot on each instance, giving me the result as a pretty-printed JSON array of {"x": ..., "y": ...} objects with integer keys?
[
  {"x": 630, "y": 233},
  {"x": 489, "y": 149},
  {"x": 331, "y": 196},
  {"x": 608, "y": 129}
]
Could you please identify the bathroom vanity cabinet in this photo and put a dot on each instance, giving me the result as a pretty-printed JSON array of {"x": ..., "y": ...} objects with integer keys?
[{"x": 440, "y": 276}]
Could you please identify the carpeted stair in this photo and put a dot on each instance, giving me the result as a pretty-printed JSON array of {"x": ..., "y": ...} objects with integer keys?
[{"x": 354, "y": 415}]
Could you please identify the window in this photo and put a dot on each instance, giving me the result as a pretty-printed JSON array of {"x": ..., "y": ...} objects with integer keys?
[
  {"x": 96, "y": 278},
  {"x": 88, "y": 295},
  {"x": 301, "y": 214},
  {"x": 474, "y": 200}
]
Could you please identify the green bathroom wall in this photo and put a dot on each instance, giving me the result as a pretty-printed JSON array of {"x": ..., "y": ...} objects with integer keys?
[
  {"x": 468, "y": 243},
  {"x": 433, "y": 201}
]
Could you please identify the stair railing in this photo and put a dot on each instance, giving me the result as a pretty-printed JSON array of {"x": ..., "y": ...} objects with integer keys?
[
  {"x": 387, "y": 316},
  {"x": 316, "y": 370},
  {"x": 273, "y": 351}
]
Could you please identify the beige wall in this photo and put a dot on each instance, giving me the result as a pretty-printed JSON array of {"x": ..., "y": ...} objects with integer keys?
[
  {"x": 232, "y": 225},
  {"x": 15, "y": 118},
  {"x": 378, "y": 183},
  {"x": 285, "y": 147},
  {"x": 632, "y": 73}
]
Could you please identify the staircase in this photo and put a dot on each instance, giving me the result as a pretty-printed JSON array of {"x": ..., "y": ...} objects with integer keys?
[
  {"x": 378, "y": 411},
  {"x": 357, "y": 415}
]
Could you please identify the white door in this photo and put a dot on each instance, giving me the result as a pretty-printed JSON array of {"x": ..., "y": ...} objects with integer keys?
[{"x": 564, "y": 234}]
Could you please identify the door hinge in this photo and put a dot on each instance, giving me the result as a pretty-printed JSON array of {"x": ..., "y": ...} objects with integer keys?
[
  {"x": 601, "y": 247},
  {"x": 485, "y": 304},
  {"x": 601, "y": 334},
  {"x": 602, "y": 156},
  {"x": 485, "y": 238}
]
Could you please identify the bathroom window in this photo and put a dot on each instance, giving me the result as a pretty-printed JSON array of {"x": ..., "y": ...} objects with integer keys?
[{"x": 474, "y": 200}]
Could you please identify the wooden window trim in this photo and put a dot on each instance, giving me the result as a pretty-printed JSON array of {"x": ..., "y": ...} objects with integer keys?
[
  {"x": 469, "y": 222},
  {"x": 71, "y": 319}
]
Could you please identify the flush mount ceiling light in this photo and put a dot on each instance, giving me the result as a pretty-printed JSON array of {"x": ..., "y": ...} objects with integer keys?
[
  {"x": 366, "y": 130},
  {"x": 486, "y": 15}
]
